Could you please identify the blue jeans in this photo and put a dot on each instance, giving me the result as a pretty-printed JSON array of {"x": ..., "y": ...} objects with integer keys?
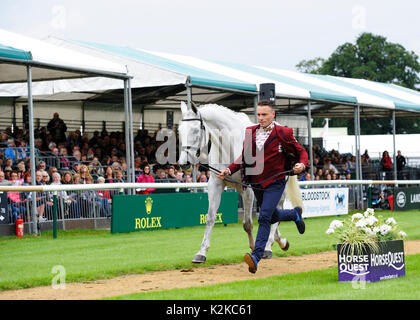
[{"x": 268, "y": 199}]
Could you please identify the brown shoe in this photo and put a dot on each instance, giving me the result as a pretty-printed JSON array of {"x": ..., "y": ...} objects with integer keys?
[{"x": 251, "y": 263}]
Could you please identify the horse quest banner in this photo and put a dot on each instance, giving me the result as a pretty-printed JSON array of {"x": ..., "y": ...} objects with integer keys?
[
  {"x": 323, "y": 202},
  {"x": 168, "y": 210}
]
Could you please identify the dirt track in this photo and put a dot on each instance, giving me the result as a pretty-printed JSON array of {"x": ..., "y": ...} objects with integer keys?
[{"x": 193, "y": 277}]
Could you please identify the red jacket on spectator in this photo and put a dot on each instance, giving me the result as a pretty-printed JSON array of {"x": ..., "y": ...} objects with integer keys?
[
  {"x": 105, "y": 194},
  {"x": 146, "y": 178}
]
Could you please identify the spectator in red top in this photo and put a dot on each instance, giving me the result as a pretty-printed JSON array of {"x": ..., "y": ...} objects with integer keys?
[
  {"x": 146, "y": 177},
  {"x": 386, "y": 164}
]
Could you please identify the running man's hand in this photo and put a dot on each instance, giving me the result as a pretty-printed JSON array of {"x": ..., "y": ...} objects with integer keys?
[
  {"x": 223, "y": 174},
  {"x": 298, "y": 168}
]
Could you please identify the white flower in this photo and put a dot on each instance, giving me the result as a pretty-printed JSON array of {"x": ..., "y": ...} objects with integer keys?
[
  {"x": 361, "y": 223},
  {"x": 356, "y": 216},
  {"x": 329, "y": 231},
  {"x": 376, "y": 230},
  {"x": 369, "y": 231},
  {"x": 391, "y": 221},
  {"x": 384, "y": 229},
  {"x": 371, "y": 220},
  {"x": 369, "y": 212},
  {"x": 402, "y": 234},
  {"x": 335, "y": 224}
]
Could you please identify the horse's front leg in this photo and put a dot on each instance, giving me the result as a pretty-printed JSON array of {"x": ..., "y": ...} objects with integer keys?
[
  {"x": 215, "y": 189},
  {"x": 248, "y": 201}
]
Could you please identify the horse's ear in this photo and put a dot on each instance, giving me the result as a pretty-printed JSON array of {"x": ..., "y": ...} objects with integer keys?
[{"x": 184, "y": 107}]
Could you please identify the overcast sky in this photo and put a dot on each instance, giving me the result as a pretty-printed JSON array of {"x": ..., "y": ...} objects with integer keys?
[{"x": 270, "y": 33}]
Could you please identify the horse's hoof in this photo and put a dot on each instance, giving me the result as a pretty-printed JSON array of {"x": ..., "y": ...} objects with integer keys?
[
  {"x": 199, "y": 259},
  {"x": 267, "y": 255},
  {"x": 286, "y": 247}
]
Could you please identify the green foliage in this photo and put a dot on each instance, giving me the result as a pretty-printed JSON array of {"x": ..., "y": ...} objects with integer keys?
[
  {"x": 371, "y": 57},
  {"x": 365, "y": 229}
]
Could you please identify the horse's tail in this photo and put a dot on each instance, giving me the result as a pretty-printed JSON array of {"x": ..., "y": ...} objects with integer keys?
[{"x": 293, "y": 192}]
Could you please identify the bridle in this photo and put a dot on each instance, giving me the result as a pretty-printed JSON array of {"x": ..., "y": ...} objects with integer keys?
[{"x": 202, "y": 129}]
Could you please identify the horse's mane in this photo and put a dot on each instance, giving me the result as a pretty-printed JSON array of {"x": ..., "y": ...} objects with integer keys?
[{"x": 226, "y": 112}]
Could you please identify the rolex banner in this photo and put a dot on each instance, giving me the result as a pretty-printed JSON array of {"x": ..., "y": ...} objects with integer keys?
[
  {"x": 170, "y": 210},
  {"x": 406, "y": 198}
]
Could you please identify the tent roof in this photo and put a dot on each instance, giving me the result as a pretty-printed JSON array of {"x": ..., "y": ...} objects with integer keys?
[
  {"x": 48, "y": 61},
  {"x": 12, "y": 53},
  {"x": 232, "y": 84}
]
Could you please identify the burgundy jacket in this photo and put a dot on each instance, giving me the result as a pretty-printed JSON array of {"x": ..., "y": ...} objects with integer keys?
[{"x": 275, "y": 160}]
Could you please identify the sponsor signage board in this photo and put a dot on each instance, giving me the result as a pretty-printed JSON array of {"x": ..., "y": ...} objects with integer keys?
[
  {"x": 323, "y": 202},
  {"x": 4, "y": 214},
  {"x": 406, "y": 198},
  {"x": 368, "y": 266},
  {"x": 172, "y": 210}
]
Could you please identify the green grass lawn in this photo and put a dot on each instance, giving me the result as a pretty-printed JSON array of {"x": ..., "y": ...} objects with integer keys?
[
  {"x": 314, "y": 285},
  {"x": 97, "y": 254}
]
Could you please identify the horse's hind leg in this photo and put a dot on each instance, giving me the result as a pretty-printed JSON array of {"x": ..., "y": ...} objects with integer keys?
[
  {"x": 214, "y": 193},
  {"x": 283, "y": 242},
  {"x": 248, "y": 201},
  {"x": 267, "y": 251}
]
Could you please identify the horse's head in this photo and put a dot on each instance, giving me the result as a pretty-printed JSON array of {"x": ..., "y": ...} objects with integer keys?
[{"x": 192, "y": 136}]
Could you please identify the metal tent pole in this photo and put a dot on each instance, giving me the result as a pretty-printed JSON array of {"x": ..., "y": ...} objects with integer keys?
[
  {"x": 359, "y": 157},
  {"x": 127, "y": 131},
  {"x": 311, "y": 157},
  {"x": 356, "y": 135},
  {"x": 32, "y": 147},
  {"x": 131, "y": 146},
  {"x": 394, "y": 132}
]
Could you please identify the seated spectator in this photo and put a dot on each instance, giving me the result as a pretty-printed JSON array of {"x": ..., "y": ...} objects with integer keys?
[
  {"x": 179, "y": 178},
  {"x": 119, "y": 176},
  {"x": 171, "y": 175},
  {"x": 67, "y": 178},
  {"x": 95, "y": 167},
  {"x": 3, "y": 181},
  {"x": 161, "y": 177},
  {"x": 9, "y": 152},
  {"x": 84, "y": 174},
  {"x": 188, "y": 178},
  {"x": 306, "y": 177},
  {"x": 109, "y": 175},
  {"x": 42, "y": 165},
  {"x": 65, "y": 161},
  {"x": 329, "y": 166},
  {"x": 76, "y": 178},
  {"x": 45, "y": 178},
  {"x": 23, "y": 152}
]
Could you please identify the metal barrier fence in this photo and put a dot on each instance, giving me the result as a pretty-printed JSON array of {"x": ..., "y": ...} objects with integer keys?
[{"x": 89, "y": 201}]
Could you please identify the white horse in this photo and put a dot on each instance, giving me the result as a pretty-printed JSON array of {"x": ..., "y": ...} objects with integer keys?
[{"x": 226, "y": 131}]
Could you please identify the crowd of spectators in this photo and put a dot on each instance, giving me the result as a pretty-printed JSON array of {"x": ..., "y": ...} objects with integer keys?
[{"x": 74, "y": 158}]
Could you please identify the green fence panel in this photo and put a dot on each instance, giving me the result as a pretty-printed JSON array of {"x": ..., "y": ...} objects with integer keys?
[
  {"x": 171, "y": 210},
  {"x": 406, "y": 198}
]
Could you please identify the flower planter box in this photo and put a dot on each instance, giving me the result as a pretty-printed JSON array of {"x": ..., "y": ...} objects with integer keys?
[{"x": 370, "y": 266}]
